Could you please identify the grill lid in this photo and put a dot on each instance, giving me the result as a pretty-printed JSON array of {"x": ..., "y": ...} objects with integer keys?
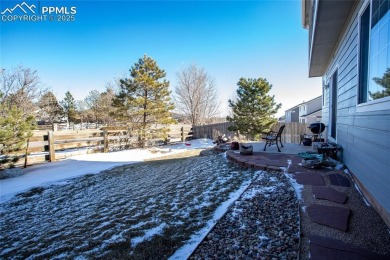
[{"x": 317, "y": 128}]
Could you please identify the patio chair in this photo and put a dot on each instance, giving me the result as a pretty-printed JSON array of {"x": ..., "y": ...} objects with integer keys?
[{"x": 273, "y": 138}]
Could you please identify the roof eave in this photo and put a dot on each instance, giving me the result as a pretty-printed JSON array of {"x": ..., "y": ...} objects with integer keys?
[
  {"x": 306, "y": 13},
  {"x": 329, "y": 20}
]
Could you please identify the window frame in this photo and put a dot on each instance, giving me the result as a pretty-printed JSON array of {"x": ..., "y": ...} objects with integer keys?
[{"x": 369, "y": 105}]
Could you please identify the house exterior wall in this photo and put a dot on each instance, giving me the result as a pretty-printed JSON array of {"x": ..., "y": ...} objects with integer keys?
[
  {"x": 287, "y": 116},
  {"x": 314, "y": 105},
  {"x": 292, "y": 115},
  {"x": 313, "y": 118},
  {"x": 302, "y": 113},
  {"x": 307, "y": 109},
  {"x": 363, "y": 133}
]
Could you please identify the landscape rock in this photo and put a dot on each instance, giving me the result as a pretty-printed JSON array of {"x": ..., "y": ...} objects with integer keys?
[{"x": 259, "y": 225}]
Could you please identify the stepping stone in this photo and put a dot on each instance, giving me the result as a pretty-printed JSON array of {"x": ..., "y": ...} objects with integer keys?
[
  {"x": 309, "y": 178},
  {"x": 327, "y": 248},
  {"x": 334, "y": 217},
  {"x": 295, "y": 168},
  {"x": 339, "y": 180},
  {"x": 325, "y": 193}
]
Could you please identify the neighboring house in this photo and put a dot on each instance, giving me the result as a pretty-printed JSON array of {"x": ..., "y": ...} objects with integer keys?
[
  {"x": 310, "y": 111},
  {"x": 306, "y": 112},
  {"x": 292, "y": 115},
  {"x": 282, "y": 119},
  {"x": 310, "y": 118},
  {"x": 349, "y": 47}
]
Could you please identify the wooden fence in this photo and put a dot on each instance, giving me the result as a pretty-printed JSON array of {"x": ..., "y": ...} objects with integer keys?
[
  {"x": 49, "y": 146},
  {"x": 212, "y": 131},
  {"x": 71, "y": 126},
  {"x": 291, "y": 133}
]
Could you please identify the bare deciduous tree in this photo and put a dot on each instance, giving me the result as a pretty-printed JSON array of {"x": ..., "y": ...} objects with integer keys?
[
  {"x": 99, "y": 105},
  {"x": 20, "y": 87},
  {"x": 195, "y": 95},
  {"x": 92, "y": 102},
  {"x": 105, "y": 105}
]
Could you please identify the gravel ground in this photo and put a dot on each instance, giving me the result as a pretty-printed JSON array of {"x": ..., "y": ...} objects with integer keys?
[
  {"x": 366, "y": 229},
  {"x": 262, "y": 224}
]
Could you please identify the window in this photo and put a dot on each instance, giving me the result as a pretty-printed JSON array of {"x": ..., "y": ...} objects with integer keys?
[
  {"x": 333, "y": 105},
  {"x": 374, "y": 52},
  {"x": 379, "y": 74},
  {"x": 363, "y": 54}
]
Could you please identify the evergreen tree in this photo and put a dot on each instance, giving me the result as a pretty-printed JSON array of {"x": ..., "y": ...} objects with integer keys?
[
  {"x": 252, "y": 112},
  {"x": 384, "y": 82},
  {"x": 69, "y": 107},
  {"x": 50, "y": 109},
  {"x": 144, "y": 100},
  {"x": 15, "y": 129}
]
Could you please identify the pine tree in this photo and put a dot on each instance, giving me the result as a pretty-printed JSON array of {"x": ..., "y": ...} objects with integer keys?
[
  {"x": 144, "y": 100},
  {"x": 384, "y": 83},
  {"x": 69, "y": 107},
  {"x": 254, "y": 109},
  {"x": 15, "y": 129},
  {"x": 50, "y": 109}
]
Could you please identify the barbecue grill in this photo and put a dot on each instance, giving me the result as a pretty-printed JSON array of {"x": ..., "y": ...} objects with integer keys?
[{"x": 317, "y": 129}]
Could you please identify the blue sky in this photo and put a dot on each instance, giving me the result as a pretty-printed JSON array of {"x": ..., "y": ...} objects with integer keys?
[{"x": 230, "y": 39}]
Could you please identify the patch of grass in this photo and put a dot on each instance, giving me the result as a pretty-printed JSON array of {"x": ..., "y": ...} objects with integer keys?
[
  {"x": 158, "y": 247},
  {"x": 118, "y": 250},
  {"x": 124, "y": 202},
  {"x": 32, "y": 192}
]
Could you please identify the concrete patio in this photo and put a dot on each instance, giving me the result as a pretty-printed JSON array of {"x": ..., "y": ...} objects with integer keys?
[{"x": 289, "y": 148}]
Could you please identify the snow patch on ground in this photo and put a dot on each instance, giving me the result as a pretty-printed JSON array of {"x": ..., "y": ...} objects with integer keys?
[
  {"x": 148, "y": 234},
  {"x": 50, "y": 173},
  {"x": 250, "y": 194},
  {"x": 297, "y": 187},
  {"x": 93, "y": 214},
  {"x": 361, "y": 194}
]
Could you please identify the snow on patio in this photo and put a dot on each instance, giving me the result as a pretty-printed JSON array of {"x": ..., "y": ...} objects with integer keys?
[
  {"x": 50, "y": 173},
  {"x": 146, "y": 210}
]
